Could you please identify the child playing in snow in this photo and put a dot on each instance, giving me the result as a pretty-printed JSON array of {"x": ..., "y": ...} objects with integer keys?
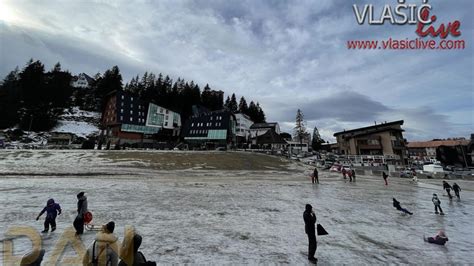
[
  {"x": 52, "y": 209},
  {"x": 437, "y": 204},
  {"x": 439, "y": 239},
  {"x": 397, "y": 206}
]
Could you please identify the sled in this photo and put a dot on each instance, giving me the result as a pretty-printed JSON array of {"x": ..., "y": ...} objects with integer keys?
[{"x": 88, "y": 223}]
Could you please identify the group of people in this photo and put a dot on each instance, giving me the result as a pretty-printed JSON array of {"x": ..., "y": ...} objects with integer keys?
[
  {"x": 349, "y": 173},
  {"x": 103, "y": 251},
  {"x": 309, "y": 216},
  {"x": 455, "y": 187}
]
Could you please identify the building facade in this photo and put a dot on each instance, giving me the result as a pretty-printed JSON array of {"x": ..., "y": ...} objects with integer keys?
[
  {"x": 383, "y": 139},
  {"x": 259, "y": 129},
  {"x": 82, "y": 81},
  {"x": 242, "y": 128},
  {"x": 127, "y": 119},
  {"x": 210, "y": 130},
  {"x": 448, "y": 152},
  {"x": 163, "y": 118}
]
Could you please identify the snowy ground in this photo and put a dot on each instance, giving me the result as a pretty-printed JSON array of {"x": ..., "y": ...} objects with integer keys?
[{"x": 248, "y": 216}]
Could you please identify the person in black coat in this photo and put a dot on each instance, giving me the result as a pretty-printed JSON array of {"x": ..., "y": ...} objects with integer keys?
[
  {"x": 448, "y": 188},
  {"x": 456, "y": 189},
  {"x": 309, "y": 227},
  {"x": 385, "y": 176},
  {"x": 397, "y": 206},
  {"x": 315, "y": 176},
  {"x": 81, "y": 210}
]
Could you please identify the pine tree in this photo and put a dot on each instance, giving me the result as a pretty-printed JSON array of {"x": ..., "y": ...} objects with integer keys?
[
  {"x": 227, "y": 103},
  {"x": 233, "y": 107},
  {"x": 260, "y": 114},
  {"x": 243, "y": 108},
  {"x": 109, "y": 82},
  {"x": 10, "y": 97},
  {"x": 299, "y": 129},
  {"x": 253, "y": 112},
  {"x": 317, "y": 140}
]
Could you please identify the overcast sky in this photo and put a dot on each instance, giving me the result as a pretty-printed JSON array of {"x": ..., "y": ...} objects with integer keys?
[{"x": 284, "y": 54}]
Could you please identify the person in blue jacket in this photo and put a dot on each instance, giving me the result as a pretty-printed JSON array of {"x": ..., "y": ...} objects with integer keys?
[{"x": 52, "y": 210}]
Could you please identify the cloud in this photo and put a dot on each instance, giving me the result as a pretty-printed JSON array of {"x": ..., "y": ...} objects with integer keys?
[{"x": 284, "y": 54}]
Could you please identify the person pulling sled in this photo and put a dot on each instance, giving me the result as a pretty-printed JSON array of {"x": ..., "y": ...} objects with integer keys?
[{"x": 81, "y": 211}]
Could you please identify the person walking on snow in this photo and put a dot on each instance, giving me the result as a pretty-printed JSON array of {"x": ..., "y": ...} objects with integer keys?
[
  {"x": 397, "y": 206},
  {"x": 456, "y": 189},
  {"x": 52, "y": 209},
  {"x": 353, "y": 172},
  {"x": 81, "y": 210},
  {"x": 385, "y": 176},
  {"x": 309, "y": 228},
  {"x": 344, "y": 173},
  {"x": 448, "y": 188},
  {"x": 315, "y": 176},
  {"x": 437, "y": 204},
  {"x": 349, "y": 174}
]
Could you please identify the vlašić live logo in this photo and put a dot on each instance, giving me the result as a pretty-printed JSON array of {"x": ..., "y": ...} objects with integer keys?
[{"x": 411, "y": 14}]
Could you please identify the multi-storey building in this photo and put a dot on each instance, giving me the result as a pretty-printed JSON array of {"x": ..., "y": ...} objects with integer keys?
[
  {"x": 127, "y": 119},
  {"x": 259, "y": 129},
  {"x": 210, "y": 129},
  {"x": 440, "y": 150},
  {"x": 242, "y": 129},
  {"x": 381, "y": 139}
]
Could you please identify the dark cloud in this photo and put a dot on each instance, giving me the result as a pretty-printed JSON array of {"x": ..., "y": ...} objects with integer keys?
[{"x": 284, "y": 54}]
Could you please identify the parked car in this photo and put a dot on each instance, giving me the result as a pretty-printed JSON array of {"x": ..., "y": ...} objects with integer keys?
[
  {"x": 406, "y": 174},
  {"x": 433, "y": 168},
  {"x": 335, "y": 168}
]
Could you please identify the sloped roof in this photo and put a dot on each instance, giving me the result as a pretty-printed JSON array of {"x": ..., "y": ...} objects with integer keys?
[
  {"x": 270, "y": 137},
  {"x": 436, "y": 143},
  {"x": 372, "y": 129},
  {"x": 263, "y": 125}
]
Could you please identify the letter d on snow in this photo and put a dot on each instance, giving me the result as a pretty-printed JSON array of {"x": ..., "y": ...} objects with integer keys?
[{"x": 15, "y": 231}]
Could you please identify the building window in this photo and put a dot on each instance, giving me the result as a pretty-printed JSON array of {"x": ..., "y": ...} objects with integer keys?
[
  {"x": 161, "y": 110},
  {"x": 122, "y": 97},
  {"x": 132, "y": 98},
  {"x": 131, "y": 105},
  {"x": 121, "y": 118},
  {"x": 121, "y": 110},
  {"x": 192, "y": 124},
  {"x": 167, "y": 113},
  {"x": 131, "y": 119},
  {"x": 131, "y": 112},
  {"x": 166, "y": 118}
]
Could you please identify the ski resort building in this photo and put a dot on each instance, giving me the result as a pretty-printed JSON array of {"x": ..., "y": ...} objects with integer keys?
[
  {"x": 259, "y": 129},
  {"x": 210, "y": 130},
  {"x": 127, "y": 119},
  {"x": 242, "y": 129},
  {"x": 381, "y": 139}
]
